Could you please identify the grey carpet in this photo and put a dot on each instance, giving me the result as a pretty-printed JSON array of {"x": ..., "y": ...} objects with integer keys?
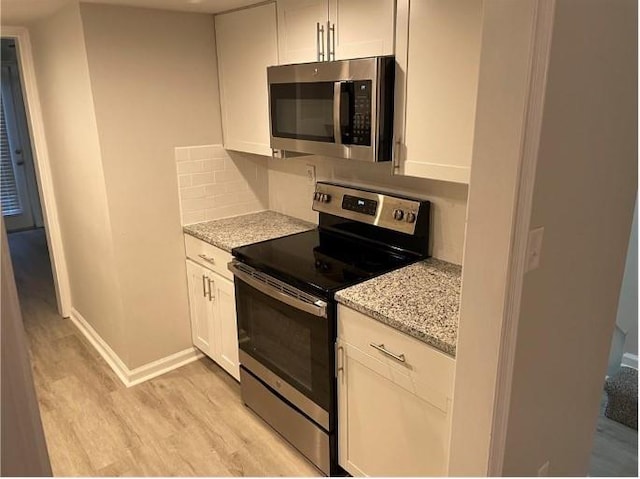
[{"x": 622, "y": 397}]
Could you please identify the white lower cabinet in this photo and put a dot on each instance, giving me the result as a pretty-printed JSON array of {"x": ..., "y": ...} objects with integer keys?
[
  {"x": 213, "y": 316},
  {"x": 393, "y": 416}
]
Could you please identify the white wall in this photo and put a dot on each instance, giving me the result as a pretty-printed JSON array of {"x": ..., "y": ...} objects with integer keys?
[
  {"x": 585, "y": 189},
  {"x": 154, "y": 83},
  {"x": 64, "y": 86},
  {"x": 290, "y": 193}
]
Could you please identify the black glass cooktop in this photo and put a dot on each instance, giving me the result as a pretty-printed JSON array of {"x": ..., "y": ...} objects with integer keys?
[{"x": 321, "y": 262}]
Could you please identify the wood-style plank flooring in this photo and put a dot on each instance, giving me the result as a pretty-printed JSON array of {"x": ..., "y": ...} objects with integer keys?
[{"x": 189, "y": 422}]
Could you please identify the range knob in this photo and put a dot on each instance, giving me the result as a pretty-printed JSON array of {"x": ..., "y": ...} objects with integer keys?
[
  {"x": 398, "y": 215},
  {"x": 325, "y": 198},
  {"x": 411, "y": 217},
  {"x": 316, "y": 196}
]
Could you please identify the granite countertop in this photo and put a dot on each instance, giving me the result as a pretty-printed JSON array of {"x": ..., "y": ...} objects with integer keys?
[
  {"x": 229, "y": 233},
  {"x": 421, "y": 300}
]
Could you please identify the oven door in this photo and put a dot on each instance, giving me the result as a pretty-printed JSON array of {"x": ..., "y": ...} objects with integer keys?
[{"x": 283, "y": 337}]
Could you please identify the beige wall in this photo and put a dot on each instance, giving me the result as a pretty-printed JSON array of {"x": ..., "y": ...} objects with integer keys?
[
  {"x": 64, "y": 86},
  {"x": 584, "y": 197},
  {"x": 290, "y": 193},
  {"x": 154, "y": 82}
]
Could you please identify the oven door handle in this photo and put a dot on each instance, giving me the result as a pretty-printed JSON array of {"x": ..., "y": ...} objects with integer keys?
[{"x": 279, "y": 290}]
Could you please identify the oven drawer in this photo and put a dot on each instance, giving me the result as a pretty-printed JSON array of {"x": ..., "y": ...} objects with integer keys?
[
  {"x": 422, "y": 364},
  {"x": 208, "y": 256}
]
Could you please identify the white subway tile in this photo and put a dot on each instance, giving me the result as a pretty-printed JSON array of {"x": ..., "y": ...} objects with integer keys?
[
  {"x": 198, "y": 179},
  {"x": 189, "y": 218},
  {"x": 192, "y": 192},
  {"x": 238, "y": 186},
  {"x": 227, "y": 176},
  {"x": 202, "y": 152},
  {"x": 230, "y": 199},
  {"x": 184, "y": 181},
  {"x": 190, "y": 166},
  {"x": 182, "y": 153},
  {"x": 215, "y": 189},
  {"x": 196, "y": 204},
  {"x": 215, "y": 164}
]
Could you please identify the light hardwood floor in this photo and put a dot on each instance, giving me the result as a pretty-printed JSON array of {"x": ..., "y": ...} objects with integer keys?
[{"x": 189, "y": 422}]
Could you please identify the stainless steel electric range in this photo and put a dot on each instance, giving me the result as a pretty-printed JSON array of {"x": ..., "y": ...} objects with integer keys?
[{"x": 287, "y": 313}]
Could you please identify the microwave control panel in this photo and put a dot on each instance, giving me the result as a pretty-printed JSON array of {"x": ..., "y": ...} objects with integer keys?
[{"x": 361, "y": 113}]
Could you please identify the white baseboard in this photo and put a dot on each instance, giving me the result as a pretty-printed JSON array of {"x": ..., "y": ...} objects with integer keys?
[
  {"x": 630, "y": 360},
  {"x": 131, "y": 377}
]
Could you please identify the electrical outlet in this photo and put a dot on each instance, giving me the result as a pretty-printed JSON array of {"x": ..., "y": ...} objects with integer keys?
[
  {"x": 311, "y": 174},
  {"x": 543, "y": 471},
  {"x": 534, "y": 248}
]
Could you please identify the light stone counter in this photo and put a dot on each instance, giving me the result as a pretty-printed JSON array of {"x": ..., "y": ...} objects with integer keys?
[
  {"x": 421, "y": 300},
  {"x": 229, "y": 233}
]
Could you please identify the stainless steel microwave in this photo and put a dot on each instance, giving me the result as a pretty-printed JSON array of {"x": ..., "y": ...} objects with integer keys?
[{"x": 341, "y": 109}]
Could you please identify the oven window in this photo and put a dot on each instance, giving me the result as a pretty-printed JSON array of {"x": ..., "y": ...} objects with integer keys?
[
  {"x": 286, "y": 342},
  {"x": 302, "y": 111},
  {"x": 291, "y": 343}
]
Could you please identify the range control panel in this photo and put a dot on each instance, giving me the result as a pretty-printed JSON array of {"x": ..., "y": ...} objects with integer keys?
[{"x": 380, "y": 209}]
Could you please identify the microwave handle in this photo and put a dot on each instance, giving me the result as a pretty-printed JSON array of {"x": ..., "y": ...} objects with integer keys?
[{"x": 337, "y": 107}]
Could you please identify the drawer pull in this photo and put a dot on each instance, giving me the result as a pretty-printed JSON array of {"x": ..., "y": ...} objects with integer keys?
[
  {"x": 208, "y": 259},
  {"x": 382, "y": 349}
]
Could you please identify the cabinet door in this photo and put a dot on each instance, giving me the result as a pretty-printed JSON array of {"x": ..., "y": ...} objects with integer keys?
[
  {"x": 384, "y": 427},
  {"x": 247, "y": 44},
  {"x": 361, "y": 28},
  {"x": 299, "y": 40},
  {"x": 225, "y": 325},
  {"x": 200, "y": 306},
  {"x": 438, "y": 54}
]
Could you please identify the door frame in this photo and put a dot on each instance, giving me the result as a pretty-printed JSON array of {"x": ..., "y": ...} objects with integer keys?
[{"x": 42, "y": 166}]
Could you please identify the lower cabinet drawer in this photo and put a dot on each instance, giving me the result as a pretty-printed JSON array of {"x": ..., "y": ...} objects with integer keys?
[
  {"x": 208, "y": 256},
  {"x": 422, "y": 364}
]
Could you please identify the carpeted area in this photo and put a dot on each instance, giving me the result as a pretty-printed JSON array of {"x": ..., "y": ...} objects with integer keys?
[{"x": 622, "y": 397}]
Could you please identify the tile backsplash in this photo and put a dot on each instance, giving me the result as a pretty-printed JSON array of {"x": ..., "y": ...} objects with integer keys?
[{"x": 215, "y": 183}]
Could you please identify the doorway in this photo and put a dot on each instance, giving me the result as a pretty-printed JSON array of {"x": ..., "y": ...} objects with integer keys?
[
  {"x": 28, "y": 200},
  {"x": 19, "y": 190}
]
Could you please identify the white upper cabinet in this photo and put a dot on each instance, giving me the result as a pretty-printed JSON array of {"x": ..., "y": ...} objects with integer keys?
[
  {"x": 361, "y": 28},
  {"x": 247, "y": 43},
  {"x": 302, "y": 30},
  {"x": 319, "y": 30},
  {"x": 438, "y": 55}
]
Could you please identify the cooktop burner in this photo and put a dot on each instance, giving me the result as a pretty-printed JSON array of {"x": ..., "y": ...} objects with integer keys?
[{"x": 321, "y": 260}]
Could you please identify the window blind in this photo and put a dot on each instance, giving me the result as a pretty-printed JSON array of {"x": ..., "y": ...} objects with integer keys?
[{"x": 9, "y": 198}]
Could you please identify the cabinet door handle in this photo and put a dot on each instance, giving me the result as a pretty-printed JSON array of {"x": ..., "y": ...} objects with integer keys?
[
  {"x": 209, "y": 281},
  {"x": 204, "y": 286},
  {"x": 339, "y": 361},
  {"x": 382, "y": 349},
  {"x": 320, "y": 41},
  {"x": 208, "y": 259},
  {"x": 331, "y": 37},
  {"x": 397, "y": 148}
]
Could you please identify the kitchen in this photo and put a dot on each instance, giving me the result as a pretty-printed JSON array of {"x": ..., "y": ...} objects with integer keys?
[{"x": 119, "y": 142}]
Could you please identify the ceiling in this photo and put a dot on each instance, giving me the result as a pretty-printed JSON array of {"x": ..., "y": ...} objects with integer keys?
[{"x": 23, "y": 12}]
